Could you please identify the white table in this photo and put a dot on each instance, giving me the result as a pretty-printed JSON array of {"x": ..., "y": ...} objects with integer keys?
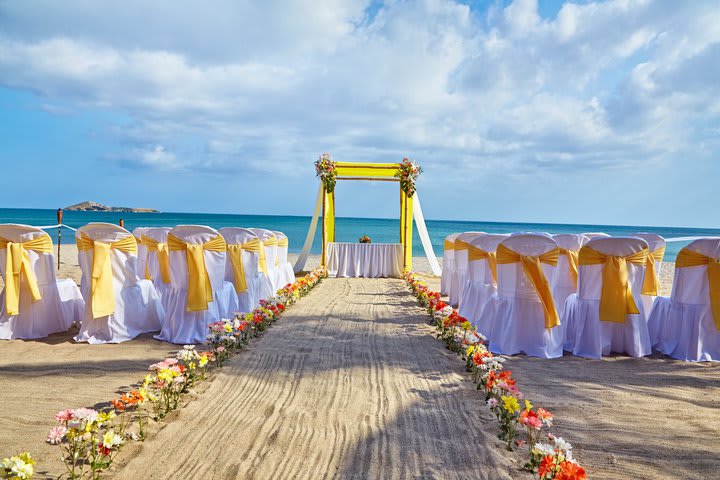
[{"x": 371, "y": 260}]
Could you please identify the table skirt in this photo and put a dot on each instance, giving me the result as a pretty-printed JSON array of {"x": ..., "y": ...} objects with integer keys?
[{"x": 370, "y": 260}]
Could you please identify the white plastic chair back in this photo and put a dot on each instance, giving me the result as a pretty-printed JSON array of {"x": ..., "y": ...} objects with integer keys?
[
  {"x": 592, "y": 235},
  {"x": 590, "y": 276},
  {"x": 512, "y": 281},
  {"x": 214, "y": 261},
  {"x": 124, "y": 265},
  {"x": 258, "y": 283},
  {"x": 655, "y": 242},
  {"x": 270, "y": 255},
  {"x": 142, "y": 250},
  {"x": 691, "y": 283},
  {"x": 448, "y": 264},
  {"x": 563, "y": 283},
  {"x": 286, "y": 274},
  {"x": 460, "y": 265}
]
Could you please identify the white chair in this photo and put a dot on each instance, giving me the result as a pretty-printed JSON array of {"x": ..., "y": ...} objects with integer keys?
[
  {"x": 158, "y": 260},
  {"x": 286, "y": 274},
  {"x": 687, "y": 325},
  {"x": 199, "y": 294},
  {"x": 244, "y": 246},
  {"x": 482, "y": 280},
  {"x": 524, "y": 317},
  {"x": 457, "y": 281},
  {"x": 653, "y": 266},
  {"x": 142, "y": 253},
  {"x": 593, "y": 235},
  {"x": 448, "y": 264},
  {"x": 33, "y": 303},
  {"x": 118, "y": 305},
  {"x": 564, "y": 282},
  {"x": 606, "y": 315},
  {"x": 270, "y": 242}
]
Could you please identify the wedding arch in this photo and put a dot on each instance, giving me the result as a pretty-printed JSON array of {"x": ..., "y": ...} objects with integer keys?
[{"x": 405, "y": 173}]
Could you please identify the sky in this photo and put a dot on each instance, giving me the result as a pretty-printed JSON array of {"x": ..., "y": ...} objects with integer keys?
[{"x": 593, "y": 112}]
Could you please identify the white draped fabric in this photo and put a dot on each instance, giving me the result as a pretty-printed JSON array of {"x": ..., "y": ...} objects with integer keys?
[
  {"x": 60, "y": 304},
  {"x": 305, "y": 253},
  {"x": 371, "y": 260},
  {"x": 142, "y": 250},
  {"x": 191, "y": 327},
  {"x": 517, "y": 315},
  {"x": 158, "y": 234},
  {"x": 424, "y": 236},
  {"x": 480, "y": 285},
  {"x": 654, "y": 242},
  {"x": 448, "y": 270},
  {"x": 588, "y": 336},
  {"x": 137, "y": 305},
  {"x": 563, "y": 282},
  {"x": 271, "y": 255},
  {"x": 285, "y": 269},
  {"x": 457, "y": 281},
  {"x": 683, "y": 325},
  {"x": 258, "y": 284}
]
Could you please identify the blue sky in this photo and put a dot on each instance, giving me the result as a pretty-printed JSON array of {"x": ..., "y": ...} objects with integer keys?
[{"x": 601, "y": 112}]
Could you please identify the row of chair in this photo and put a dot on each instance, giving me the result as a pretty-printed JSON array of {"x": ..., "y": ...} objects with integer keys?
[
  {"x": 173, "y": 280},
  {"x": 588, "y": 294}
]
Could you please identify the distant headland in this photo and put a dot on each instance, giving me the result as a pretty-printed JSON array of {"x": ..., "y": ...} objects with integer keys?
[{"x": 90, "y": 206}]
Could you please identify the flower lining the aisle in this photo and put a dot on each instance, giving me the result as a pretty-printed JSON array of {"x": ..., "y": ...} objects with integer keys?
[
  {"x": 17, "y": 467},
  {"x": 90, "y": 439},
  {"x": 551, "y": 460}
]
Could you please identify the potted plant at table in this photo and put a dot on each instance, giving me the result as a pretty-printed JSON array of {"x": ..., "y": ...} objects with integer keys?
[{"x": 365, "y": 239}]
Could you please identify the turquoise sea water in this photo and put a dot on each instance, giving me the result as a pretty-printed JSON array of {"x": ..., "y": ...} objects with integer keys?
[{"x": 347, "y": 229}]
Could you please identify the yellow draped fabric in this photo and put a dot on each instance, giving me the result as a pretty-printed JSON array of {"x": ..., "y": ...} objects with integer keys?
[
  {"x": 199, "y": 287},
  {"x": 366, "y": 170},
  {"x": 328, "y": 225},
  {"x": 235, "y": 253},
  {"x": 449, "y": 245},
  {"x": 101, "y": 287},
  {"x": 572, "y": 256},
  {"x": 532, "y": 268},
  {"x": 651, "y": 282},
  {"x": 460, "y": 245},
  {"x": 283, "y": 242},
  {"x": 17, "y": 263},
  {"x": 257, "y": 246},
  {"x": 690, "y": 258},
  {"x": 475, "y": 253},
  {"x": 616, "y": 299},
  {"x": 163, "y": 257}
]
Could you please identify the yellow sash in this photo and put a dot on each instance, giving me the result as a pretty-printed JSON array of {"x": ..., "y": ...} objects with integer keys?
[
  {"x": 235, "y": 252},
  {"x": 18, "y": 263},
  {"x": 449, "y": 245},
  {"x": 651, "y": 282},
  {"x": 460, "y": 245},
  {"x": 532, "y": 268},
  {"x": 199, "y": 287},
  {"x": 258, "y": 247},
  {"x": 475, "y": 253},
  {"x": 690, "y": 258},
  {"x": 572, "y": 256},
  {"x": 283, "y": 242},
  {"x": 101, "y": 287},
  {"x": 616, "y": 299},
  {"x": 163, "y": 257}
]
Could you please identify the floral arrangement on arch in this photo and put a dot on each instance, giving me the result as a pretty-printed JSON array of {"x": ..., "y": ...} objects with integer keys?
[
  {"x": 521, "y": 423},
  {"x": 91, "y": 438},
  {"x": 408, "y": 172},
  {"x": 326, "y": 169},
  {"x": 365, "y": 239}
]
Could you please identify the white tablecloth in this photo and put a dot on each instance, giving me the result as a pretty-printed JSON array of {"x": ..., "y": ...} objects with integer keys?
[{"x": 373, "y": 260}]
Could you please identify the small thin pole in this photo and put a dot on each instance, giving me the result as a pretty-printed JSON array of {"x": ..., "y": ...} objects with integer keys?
[
  {"x": 59, "y": 220},
  {"x": 122, "y": 223}
]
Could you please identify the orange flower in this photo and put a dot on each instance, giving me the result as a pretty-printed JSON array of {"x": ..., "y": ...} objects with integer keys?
[
  {"x": 547, "y": 464},
  {"x": 571, "y": 471},
  {"x": 118, "y": 404},
  {"x": 544, "y": 414}
]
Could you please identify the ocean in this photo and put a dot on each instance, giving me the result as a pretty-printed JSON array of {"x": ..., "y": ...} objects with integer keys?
[{"x": 347, "y": 229}]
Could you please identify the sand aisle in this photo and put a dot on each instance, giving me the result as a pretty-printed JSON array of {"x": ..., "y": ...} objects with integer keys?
[{"x": 349, "y": 384}]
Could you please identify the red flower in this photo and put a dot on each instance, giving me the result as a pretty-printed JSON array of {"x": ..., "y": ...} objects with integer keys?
[
  {"x": 118, "y": 405},
  {"x": 546, "y": 465},
  {"x": 571, "y": 471}
]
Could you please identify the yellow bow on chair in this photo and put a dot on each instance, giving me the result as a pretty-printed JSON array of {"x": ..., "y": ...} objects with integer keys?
[
  {"x": 17, "y": 263},
  {"x": 475, "y": 253},
  {"x": 199, "y": 287},
  {"x": 532, "y": 268},
  {"x": 690, "y": 258},
  {"x": 255, "y": 245},
  {"x": 651, "y": 282},
  {"x": 101, "y": 287},
  {"x": 161, "y": 248},
  {"x": 572, "y": 256},
  {"x": 449, "y": 245},
  {"x": 616, "y": 298}
]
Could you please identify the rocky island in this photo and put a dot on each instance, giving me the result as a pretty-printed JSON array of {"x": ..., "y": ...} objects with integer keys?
[{"x": 90, "y": 206}]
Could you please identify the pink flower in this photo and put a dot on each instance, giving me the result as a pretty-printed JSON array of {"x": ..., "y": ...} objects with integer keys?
[
  {"x": 492, "y": 402},
  {"x": 221, "y": 349},
  {"x": 56, "y": 435},
  {"x": 64, "y": 415}
]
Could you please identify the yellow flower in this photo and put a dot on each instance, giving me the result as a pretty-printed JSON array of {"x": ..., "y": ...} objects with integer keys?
[
  {"x": 228, "y": 328},
  {"x": 466, "y": 325},
  {"x": 469, "y": 350},
  {"x": 192, "y": 365},
  {"x": 528, "y": 405},
  {"x": 510, "y": 404},
  {"x": 203, "y": 360}
]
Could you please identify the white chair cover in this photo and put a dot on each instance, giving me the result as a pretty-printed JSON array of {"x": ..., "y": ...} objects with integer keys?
[
  {"x": 480, "y": 286},
  {"x": 159, "y": 234},
  {"x": 592, "y": 235},
  {"x": 270, "y": 255},
  {"x": 683, "y": 324},
  {"x": 285, "y": 274},
  {"x": 182, "y": 326},
  {"x": 142, "y": 251},
  {"x": 61, "y": 303},
  {"x": 137, "y": 305},
  {"x": 518, "y": 321},
  {"x": 654, "y": 242},
  {"x": 586, "y": 335},
  {"x": 448, "y": 265},
  {"x": 258, "y": 284},
  {"x": 563, "y": 282},
  {"x": 457, "y": 281}
]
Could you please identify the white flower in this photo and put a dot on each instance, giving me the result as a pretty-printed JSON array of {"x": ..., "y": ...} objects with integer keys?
[
  {"x": 189, "y": 347},
  {"x": 111, "y": 439},
  {"x": 562, "y": 444},
  {"x": 544, "y": 449}
]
